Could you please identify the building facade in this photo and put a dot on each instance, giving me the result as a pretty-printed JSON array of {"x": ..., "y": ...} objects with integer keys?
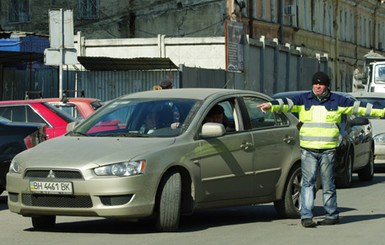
[{"x": 341, "y": 30}]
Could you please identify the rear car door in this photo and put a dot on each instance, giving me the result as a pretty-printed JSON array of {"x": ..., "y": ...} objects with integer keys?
[
  {"x": 275, "y": 142},
  {"x": 361, "y": 136}
]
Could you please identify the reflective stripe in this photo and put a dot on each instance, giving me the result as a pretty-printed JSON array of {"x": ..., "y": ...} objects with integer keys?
[
  {"x": 317, "y": 138},
  {"x": 290, "y": 104},
  {"x": 355, "y": 107},
  {"x": 368, "y": 109},
  {"x": 280, "y": 102},
  {"x": 319, "y": 125}
]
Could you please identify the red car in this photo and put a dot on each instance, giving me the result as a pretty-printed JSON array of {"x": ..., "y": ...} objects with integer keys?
[
  {"x": 34, "y": 111},
  {"x": 78, "y": 108}
]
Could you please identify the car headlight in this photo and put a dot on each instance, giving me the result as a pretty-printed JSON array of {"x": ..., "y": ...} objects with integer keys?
[
  {"x": 15, "y": 167},
  {"x": 121, "y": 169},
  {"x": 379, "y": 138}
]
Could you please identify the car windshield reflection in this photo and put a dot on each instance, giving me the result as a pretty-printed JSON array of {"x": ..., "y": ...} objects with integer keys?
[{"x": 140, "y": 118}]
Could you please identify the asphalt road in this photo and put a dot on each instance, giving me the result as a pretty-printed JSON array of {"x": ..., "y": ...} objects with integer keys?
[{"x": 362, "y": 212}]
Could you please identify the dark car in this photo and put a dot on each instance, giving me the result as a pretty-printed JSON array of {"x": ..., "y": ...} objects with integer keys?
[
  {"x": 15, "y": 138},
  {"x": 355, "y": 152},
  {"x": 34, "y": 111}
]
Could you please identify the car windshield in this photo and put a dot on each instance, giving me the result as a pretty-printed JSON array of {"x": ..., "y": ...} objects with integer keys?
[{"x": 140, "y": 118}]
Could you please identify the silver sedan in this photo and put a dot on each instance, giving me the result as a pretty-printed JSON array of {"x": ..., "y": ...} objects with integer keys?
[{"x": 162, "y": 154}]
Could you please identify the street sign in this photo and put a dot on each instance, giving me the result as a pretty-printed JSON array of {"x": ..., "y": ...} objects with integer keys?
[
  {"x": 61, "y": 29},
  {"x": 54, "y": 57}
]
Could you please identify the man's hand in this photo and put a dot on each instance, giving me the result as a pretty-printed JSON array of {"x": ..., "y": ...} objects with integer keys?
[{"x": 264, "y": 107}]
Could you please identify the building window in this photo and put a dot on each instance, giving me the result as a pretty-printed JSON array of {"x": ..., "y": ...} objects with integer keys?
[
  {"x": 88, "y": 9},
  {"x": 18, "y": 11}
]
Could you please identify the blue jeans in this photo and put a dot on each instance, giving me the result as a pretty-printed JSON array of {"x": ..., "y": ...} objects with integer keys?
[{"x": 311, "y": 162}]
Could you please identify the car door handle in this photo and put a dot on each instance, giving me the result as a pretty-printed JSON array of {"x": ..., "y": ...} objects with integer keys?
[
  {"x": 246, "y": 145},
  {"x": 288, "y": 139}
]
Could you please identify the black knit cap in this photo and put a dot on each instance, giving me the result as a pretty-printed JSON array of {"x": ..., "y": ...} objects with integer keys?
[
  {"x": 321, "y": 78},
  {"x": 166, "y": 84}
]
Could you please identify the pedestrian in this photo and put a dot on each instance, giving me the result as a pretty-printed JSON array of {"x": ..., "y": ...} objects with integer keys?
[
  {"x": 319, "y": 113},
  {"x": 166, "y": 84}
]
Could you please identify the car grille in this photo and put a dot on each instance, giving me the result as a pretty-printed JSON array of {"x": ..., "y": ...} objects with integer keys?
[
  {"x": 60, "y": 174},
  {"x": 57, "y": 201}
]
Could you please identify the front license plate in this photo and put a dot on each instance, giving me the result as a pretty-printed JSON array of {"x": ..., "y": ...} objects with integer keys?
[{"x": 51, "y": 187}]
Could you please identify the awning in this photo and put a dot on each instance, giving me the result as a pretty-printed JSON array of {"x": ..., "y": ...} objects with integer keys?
[
  {"x": 119, "y": 64},
  {"x": 12, "y": 58}
]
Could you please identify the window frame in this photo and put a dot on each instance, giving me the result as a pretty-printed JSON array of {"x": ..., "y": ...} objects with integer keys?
[
  {"x": 16, "y": 14},
  {"x": 85, "y": 9}
]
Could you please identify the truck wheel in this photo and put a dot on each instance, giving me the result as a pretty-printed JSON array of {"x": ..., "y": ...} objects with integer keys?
[
  {"x": 44, "y": 222},
  {"x": 290, "y": 205},
  {"x": 169, "y": 202},
  {"x": 367, "y": 173}
]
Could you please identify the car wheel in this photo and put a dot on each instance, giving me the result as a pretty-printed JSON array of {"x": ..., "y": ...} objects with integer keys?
[
  {"x": 290, "y": 205},
  {"x": 169, "y": 202},
  {"x": 345, "y": 181},
  {"x": 44, "y": 222},
  {"x": 366, "y": 174}
]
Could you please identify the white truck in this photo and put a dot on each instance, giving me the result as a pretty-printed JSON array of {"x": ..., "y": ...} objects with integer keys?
[{"x": 372, "y": 78}]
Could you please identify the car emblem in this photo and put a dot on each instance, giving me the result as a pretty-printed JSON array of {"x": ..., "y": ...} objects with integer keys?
[{"x": 51, "y": 174}]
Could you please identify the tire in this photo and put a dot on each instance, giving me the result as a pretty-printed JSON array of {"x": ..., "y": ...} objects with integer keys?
[
  {"x": 345, "y": 181},
  {"x": 290, "y": 205},
  {"x": 44, "y": 222},
  {"x": 367, "y": 173},
  {"x": 169, "y": 202}
]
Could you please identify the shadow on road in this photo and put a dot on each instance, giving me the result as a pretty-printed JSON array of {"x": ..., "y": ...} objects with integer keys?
[
  {"x": 199, "y": 221},
  {"x": 3, "y": 202}
]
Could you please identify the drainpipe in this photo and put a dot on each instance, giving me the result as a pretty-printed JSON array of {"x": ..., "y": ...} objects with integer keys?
[
  {"x": 280, "y": 20},
  {"x": 337, "y": 50}
]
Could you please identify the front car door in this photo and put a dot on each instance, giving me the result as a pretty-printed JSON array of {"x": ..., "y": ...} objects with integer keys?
[{"x": 226, "y": 161}]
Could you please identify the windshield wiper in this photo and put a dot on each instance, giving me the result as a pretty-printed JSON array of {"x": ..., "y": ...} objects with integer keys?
[
  {"x": 123, "y": 135},
  {"x": 78, "y": 134}
]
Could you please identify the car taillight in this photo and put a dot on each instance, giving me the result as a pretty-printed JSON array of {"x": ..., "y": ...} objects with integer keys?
[
  {"x": 31, "y": 140},
  {"x": 35, "y": 138}
]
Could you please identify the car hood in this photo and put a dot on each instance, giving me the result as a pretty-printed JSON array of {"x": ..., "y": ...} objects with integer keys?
[
  {"x": 378, "y": 126},
  {"x": 87, "y": 152}
]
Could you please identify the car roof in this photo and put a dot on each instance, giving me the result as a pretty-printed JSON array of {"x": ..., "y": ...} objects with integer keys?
[
  {"x": 190, "y": 93},
  {"x": 294, "y": 93},
  {"x": 368, "y": 94},
  {"x": 80, "y": 99},
  {"x": 7, "y": 102}
]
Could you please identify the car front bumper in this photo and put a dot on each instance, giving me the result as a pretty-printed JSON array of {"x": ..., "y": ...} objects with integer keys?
[
  {"x": 110, "y": 197},
  {"x": 379, "y": 153}
]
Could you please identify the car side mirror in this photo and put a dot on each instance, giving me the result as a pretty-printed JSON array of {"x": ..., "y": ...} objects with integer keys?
[{"x": 210, "y": 130}]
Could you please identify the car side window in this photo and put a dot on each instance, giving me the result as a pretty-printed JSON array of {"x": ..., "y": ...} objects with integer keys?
[
  {"x": 33, "y": 117},
  {"x": 261, "y": 120},
  {"x": 13, "y": 113}
]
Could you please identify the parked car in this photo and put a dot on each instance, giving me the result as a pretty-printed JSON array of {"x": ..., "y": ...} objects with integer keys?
[
  {"x": 355, "y": 148},
  {"x": 108, "y": 167},
  {"x": 378, "y": 124},
  {"x": 32, "y": 111},
  {"x": 78, "y": 108},
  {"x": 15, "y": 138}
]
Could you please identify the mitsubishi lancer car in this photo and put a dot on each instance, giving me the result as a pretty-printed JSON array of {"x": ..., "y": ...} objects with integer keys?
[{"x": 155, "y": 154}]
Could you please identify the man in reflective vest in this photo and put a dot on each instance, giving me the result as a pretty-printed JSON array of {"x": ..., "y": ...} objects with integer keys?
[{"x": 319, "y": 113}]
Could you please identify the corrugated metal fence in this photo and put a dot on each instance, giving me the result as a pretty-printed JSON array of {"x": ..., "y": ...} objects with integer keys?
[{"x": 268, "y": 69}]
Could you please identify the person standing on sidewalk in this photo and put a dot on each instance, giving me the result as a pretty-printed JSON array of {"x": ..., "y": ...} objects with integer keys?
[{"x": 320, "y": 113}]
